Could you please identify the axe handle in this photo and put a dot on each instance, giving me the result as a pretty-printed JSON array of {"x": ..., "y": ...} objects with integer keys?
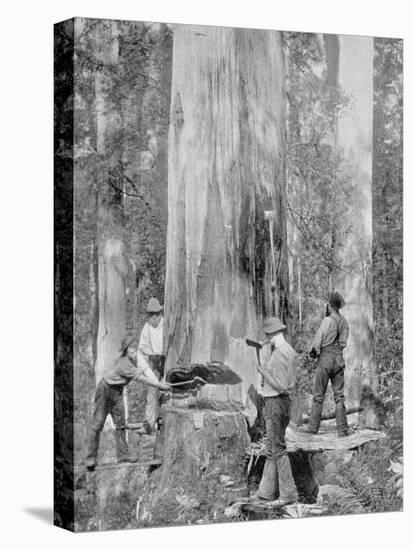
[{"x": 194, "y": 379}]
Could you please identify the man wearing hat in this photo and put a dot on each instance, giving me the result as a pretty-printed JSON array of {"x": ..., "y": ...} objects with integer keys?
[
  {"x": 328, "y": 345},
  {"x": 109, "y": 399},
  {"x": 278, "y": 380},
  {"x": 150, "y": 354}
]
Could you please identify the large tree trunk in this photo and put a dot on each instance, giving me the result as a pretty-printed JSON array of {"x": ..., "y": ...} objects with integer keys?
[
  {"x": 355, "y": 141},
  {"x": 226, "y": 168}
]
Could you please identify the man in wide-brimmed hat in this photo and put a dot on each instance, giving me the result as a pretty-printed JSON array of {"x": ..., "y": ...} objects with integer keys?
[
  {"x": 151, "y": 354},
  {"x": 279, "y": 377},
  {"x": 109, "y": 399},
  {"x": 328, "y": 345}
]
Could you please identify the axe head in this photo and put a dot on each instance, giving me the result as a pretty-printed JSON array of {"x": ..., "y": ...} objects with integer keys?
[{"x": 253, "y": 343}]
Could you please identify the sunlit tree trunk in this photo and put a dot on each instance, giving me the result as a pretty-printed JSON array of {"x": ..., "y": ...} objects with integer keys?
[
  {"x": 332, "y": 54},
  {"x": 112, "y": 262},
  {"x": 226, "y": 168},
  {"x": 355, "y": 142}
]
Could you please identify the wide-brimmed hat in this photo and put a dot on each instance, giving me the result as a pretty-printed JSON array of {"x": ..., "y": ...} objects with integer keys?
[
  {"x": 272, "y": 324},
  {"x": 126, "y": 342},
  {"x": 336, "y": 300},
  {"x": 153, "y": 306}
]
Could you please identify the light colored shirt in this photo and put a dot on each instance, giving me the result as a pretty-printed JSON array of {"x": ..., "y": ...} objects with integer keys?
[
  {"x": 281, "y": 366},
  {"x": 332, "y": 327},
  {"x": 150, "y": 343},
  {"x": 122, "y": 372}
]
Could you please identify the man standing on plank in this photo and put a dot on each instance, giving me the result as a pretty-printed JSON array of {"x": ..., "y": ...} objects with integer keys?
[
  {"x": 109, "y": 400},
  {"x": 328, "y": 345},
  {"x": 279, "y": 379},
  {"x": 150, "y": 354}
]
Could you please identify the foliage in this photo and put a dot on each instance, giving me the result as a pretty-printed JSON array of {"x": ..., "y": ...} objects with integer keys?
[
  {"x": 372, "y": 480},
  {"x": 319, "y": 183},
  {"x": 319, "y": 187},
  {"x": 388, "y": 221},
  {"x": 369, "y": 479},
  {"x": 341, "y": 501},
  {"x": 121, "y": 116},
  {"x": 319, "y": 191}
]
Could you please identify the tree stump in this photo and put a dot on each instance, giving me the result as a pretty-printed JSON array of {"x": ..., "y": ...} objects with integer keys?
[
  {"x": 302, "y": 471},
  {"x": 202, "y": 468}
]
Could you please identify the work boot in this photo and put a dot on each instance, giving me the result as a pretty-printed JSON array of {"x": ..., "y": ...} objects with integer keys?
[
  {"x": 341, "y": 420},
  {"x": 315, "y": 417},
  {"x": 93, "y": 444},
  {"x": 269, "y": 481},
  {"x": 122, "y": 450},
  {"x": 288, "y": 490}
]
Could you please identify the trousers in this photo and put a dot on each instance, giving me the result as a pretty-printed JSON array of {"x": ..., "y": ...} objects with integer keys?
[
  {"x": 276, "y": 416},
  {"x": 108, "y": 400},
  {"x": 156, "y": 363},
  {"x": 330, "y": 367},
  {"x": 152, "y": 404}
]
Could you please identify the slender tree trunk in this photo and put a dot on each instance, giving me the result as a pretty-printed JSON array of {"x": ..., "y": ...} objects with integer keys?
[
  {"x": 355, "y": 141},
  {"x": 332, "y": 53},
  {"x": 112, "y": 262},
  {"x": 300, "y": 296},
  {"x": 226, "y": 168}
]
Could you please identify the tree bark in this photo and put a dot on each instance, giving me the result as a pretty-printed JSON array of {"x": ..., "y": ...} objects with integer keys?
[
  {"x": 355, "y": 142},
  {"x": 226, "y": 168},
  {"x": 332, "y": 53},
  {"x": 112, "y": 262},
  {"x": 112, "y": 265}
]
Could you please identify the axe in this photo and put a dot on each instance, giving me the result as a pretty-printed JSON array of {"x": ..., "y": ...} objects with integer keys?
[{"x": 257, "y": 345}]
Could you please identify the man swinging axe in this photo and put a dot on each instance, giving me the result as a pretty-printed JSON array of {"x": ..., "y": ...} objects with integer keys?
[
  {"x": 109, "y": 399},
  {"x": 279, "y": 378}
]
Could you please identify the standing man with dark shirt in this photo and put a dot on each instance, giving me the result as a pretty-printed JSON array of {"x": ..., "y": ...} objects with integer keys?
[
  {"x": 279, "y": 377},
  {"x": 109, "y": 399},
  {"x": 328, "y": 345}
]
